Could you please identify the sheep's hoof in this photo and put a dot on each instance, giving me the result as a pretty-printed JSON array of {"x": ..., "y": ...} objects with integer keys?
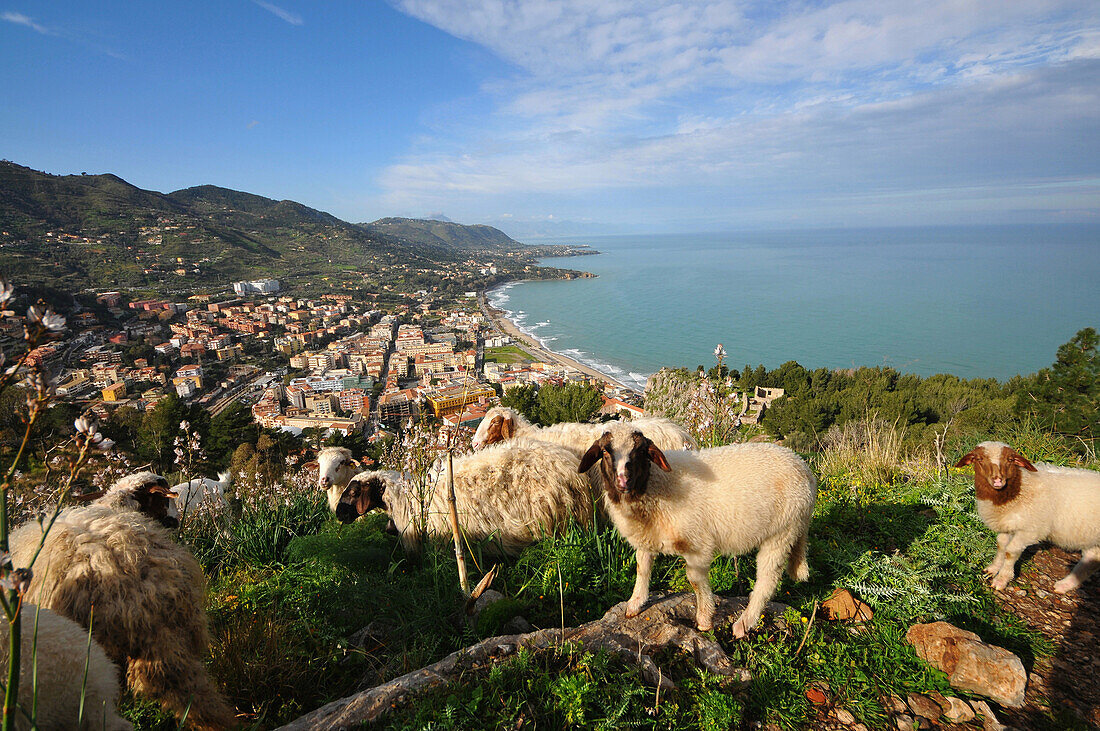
[
  {"x": 739, "y": 630},
  {"x": 704, "y": 626},
  {"x": 633, "y": 609},
  {"x": 1000, "y": 583},
  {"x": 1067, "y": 584},
  {"x": 992, "y": 570}
]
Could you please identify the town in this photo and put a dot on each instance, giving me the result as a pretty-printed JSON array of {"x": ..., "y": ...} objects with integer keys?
[{"x": 332, "y": 363}]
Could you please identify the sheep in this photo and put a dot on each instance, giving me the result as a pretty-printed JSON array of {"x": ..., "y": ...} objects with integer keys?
[
  {"x": 718, "y": 501},
  {"x": 147, "y": 590},
  {"x": 503, "y": 422},
  {"x": 1024, "y": 503},
  {"x": 335, "y": 468},
  {"x": 512, "y": 492},
  {"x": 60, "y": 649},
  {"x": 197, "y": 491}
]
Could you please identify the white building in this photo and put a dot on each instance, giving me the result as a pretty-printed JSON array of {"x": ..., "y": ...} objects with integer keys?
[{"x": 257, "y": 286}]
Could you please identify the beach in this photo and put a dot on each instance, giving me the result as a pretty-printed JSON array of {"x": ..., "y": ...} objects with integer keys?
[{"x": 537, "y": 351}]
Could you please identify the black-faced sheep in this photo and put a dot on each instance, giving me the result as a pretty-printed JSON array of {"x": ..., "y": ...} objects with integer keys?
[
  {"x": 147, "y": 590},
  {"x": 1024, "y": 503},
  {"x": 701, "y": 504},
  {"x": 335, "y": 467},
  {"x": 514, "y": 493},
  {"x": 52, "y": 667}
]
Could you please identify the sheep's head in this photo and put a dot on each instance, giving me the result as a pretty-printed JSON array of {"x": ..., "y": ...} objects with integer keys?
[
  {"x": 146, "y": 493},
  {"x": 996, "y": 471},
  {"x": 625, "y": 457},
  {"x": 335, "y": 468},
  {"x": 497, "y": 426},
  {"x": 362, "y": 495}
]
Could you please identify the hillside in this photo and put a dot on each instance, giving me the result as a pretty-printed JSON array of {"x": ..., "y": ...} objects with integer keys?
[{"x": 99, "y": 231}]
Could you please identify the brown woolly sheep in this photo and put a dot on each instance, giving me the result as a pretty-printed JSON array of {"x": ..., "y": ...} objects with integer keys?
[{"x": 147, "y": 590}]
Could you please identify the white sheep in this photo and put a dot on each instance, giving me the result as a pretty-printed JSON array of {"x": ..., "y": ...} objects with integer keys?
[
  {"x": 1024, "y": 503},
  {"x": 197, "y": 491},
  {"x": 701, "y": 504},
  {"x": 514, "y": 493},
  {"x": 52, "y": 667},
  {"x": 335, "y": 467},
  {"x": 503, "y": 422},
  {"x": 148, "y": 593}
]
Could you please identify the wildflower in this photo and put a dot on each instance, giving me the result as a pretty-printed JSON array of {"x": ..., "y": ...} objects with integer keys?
[
  {"x": 7, "y": 291},
  {"x": 719, "y": 352}
]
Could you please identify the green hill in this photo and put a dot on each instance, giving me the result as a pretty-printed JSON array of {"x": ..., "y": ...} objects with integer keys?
[{"x": 93, "y": 231}]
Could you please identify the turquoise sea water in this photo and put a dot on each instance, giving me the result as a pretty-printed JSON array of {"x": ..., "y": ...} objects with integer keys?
[{"x": 976, "y": 302}]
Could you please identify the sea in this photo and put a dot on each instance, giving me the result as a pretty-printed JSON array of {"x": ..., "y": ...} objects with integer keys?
[{"x": 972, "y": 301}]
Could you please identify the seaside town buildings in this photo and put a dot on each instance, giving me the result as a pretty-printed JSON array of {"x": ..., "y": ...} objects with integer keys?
[{"x": 327, "y": 363}]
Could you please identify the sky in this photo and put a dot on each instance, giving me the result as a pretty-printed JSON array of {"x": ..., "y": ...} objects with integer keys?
[{"x": 551, "y": 119}]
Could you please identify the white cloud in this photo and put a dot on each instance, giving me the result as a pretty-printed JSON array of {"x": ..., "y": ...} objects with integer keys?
[
  {"x": 292, "y": 18},
  {"x": 20, "y": 19},
  {"x": 629, "y": 96}
]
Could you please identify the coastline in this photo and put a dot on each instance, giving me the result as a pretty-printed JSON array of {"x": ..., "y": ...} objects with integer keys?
[{"x": 502, "y": 323}]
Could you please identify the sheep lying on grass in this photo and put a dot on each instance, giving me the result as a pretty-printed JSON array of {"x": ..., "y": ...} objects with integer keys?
[
  {"x": 514, "y": 493},
  {"x": 1025, "y": 503},
  {"x": 52, "y": 667},
  {"x": 335, "y": 467},
  {"x": 503, "y": 422},
  {"x": 148, "y": 593},
  {"x": 701, "y": 504}
]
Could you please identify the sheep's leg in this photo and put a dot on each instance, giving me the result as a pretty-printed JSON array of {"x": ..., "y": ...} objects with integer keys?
[
  {"x": 182, "y": 685},
  {"x": 641, "y": 583},
  {"x": 797, "y": 566},
  {"x": 698, "y": 573},
  {"x": 769, "y": 567},
  {"x": 994, "y": 567},
  {"x": 1011, "y": 553},
  {"x": 1089, "y": 563}
]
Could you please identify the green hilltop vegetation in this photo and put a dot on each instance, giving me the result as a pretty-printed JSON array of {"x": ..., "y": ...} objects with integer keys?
[{"x": 75, "y": 232}]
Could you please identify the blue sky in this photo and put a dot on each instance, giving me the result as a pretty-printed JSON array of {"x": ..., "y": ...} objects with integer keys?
[{"x": 578, "y": 116}]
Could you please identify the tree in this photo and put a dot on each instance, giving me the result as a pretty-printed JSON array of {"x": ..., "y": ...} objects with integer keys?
[
  {"x": 233, "y": 426},
  {"x": 1066, "y": 396},
  {"x": 523, "y": 399},
  {"x": 571, "y": 402}
]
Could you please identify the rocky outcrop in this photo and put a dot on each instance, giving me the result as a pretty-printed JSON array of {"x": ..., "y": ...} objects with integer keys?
[{"x": 969, "y": 663}]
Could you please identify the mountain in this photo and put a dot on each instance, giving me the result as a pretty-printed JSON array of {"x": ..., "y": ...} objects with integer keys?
[
  {"x": 81, "y": 231},
  {"x": 443, "y": 235}
]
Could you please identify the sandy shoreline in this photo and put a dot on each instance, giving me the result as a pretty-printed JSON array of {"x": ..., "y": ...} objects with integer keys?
[{"x": 531, "y": 345}]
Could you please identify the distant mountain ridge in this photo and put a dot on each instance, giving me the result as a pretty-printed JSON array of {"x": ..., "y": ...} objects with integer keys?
[{"x": 99, "y": 230}]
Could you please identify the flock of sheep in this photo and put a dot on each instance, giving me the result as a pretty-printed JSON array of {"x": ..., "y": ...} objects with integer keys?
[{"x": 115, "y": 566}]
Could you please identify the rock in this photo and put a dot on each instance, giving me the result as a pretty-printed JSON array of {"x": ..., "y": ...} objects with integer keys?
[
  {"x": 989, "y": 720},
  {"x": 489, "y": 596},
  {"x": 818, "y": 693},
  {"x": 377, "y": 632},
  {"x": 924, "y": 706},
  {"x": 845, "y": 716},
  {"x": 959, "y": 711},
  {"x": 517, "y": 626},
  {"x": 841, "y": 606},
  {"x": 895, "y": 705},
  {"x": 970, "y": 664},
  {"x": 905, "y": 722}
]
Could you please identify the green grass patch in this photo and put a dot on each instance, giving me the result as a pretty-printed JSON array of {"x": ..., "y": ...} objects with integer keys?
[{"x": 506, "y": 354}]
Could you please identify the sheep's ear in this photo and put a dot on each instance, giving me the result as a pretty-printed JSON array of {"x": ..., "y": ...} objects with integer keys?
[
  {"x": 88, "y": 496},
  {"x": 968, "y": 458},
  {"x": 508, "y": 428},
  {"x": 357, "y": 463},
  {"x": 657, "y": 457},
  {"x": 1018, "y": 459},
  {"x": 310, "y": 466},
  {"x": 591, "y": 457}
]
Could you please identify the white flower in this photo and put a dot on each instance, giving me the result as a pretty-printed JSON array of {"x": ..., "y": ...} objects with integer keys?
[
  {"x": 719, "y": 352},
  {"x": 7, "y": 291},
  {"x": 85, "y": 425},
  {"x": 53, "y": 321}
]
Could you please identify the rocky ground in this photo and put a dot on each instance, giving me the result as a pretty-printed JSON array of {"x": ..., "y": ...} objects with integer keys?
[{"x": 1071, "y": 678}]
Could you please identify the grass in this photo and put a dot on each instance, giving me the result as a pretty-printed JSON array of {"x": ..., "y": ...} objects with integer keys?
[
  {"x": 289, "y": 588},
  {"x": 506, "y": 354}
]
